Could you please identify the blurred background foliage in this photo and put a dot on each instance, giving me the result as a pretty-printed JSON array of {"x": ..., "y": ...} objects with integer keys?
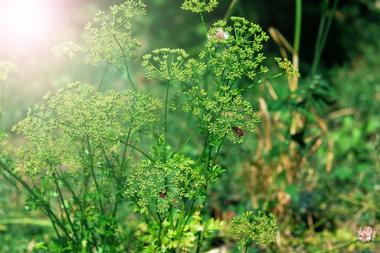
[{"x": 322, "y": 180}]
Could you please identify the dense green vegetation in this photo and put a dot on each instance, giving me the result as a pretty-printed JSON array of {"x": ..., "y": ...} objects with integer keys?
[{"x": 237, "y": 126}]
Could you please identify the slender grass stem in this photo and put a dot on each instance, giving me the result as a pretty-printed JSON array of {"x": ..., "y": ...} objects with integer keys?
[
  {"x": 323, "y": 31},
  {"x": 231, "y": 9}
]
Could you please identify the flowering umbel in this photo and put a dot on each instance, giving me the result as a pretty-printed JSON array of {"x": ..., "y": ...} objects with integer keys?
[
  {"x": 366, "y": 234},
  {"x": 199, "y": 6}
]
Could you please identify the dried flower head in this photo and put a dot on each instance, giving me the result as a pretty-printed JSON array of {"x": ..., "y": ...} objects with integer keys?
[
  {"x": 366, "y": 234},
  {"x": 199, "y": 6}
]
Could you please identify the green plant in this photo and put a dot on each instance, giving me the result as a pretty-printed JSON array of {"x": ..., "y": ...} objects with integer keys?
[
  {"x": 92, "y": 159},
  {"x": 248, "y": 228}
]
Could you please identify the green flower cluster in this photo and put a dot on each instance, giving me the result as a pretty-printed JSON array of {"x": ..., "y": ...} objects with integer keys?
[
  {"x": 248, "y": 228},
  {"x": 165, "y": 64},
  {"x": 235, "y": 51},
  {"x": 156, "y": 186},
  {"x": 110, "y": 35},
  {"x": 223, "y": 113},
  {"x": 288, "y": 67},
  {"x": 66, "y": 49},
  {"x": 77, "y": 114},
  {"x": 5, "y": 69},
  {"x": 199, "y": 6}
]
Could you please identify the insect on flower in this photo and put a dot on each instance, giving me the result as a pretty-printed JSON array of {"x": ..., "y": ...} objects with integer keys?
[
  {"x": 238, "y": 131},
  {"x": 221, "y": 34}
]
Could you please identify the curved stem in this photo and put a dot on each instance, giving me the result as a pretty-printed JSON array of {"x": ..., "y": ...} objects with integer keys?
[
  {"x": 231, "y": 9},
  {"x": 125, "y": 63},
  {"x": 140, "y": 151}
]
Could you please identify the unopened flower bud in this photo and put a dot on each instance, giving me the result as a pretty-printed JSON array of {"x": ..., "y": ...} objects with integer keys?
[{"x": 366, "y": 234}]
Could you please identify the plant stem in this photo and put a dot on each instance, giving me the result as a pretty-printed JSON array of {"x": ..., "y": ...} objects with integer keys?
[
  {"x": 297, "y": 27},
  {"x": 140, "y": 151},
  {"x": 199, "y": 242},
  {"x": 203, "y": 24},
  {"x": 125, "y": 63},
  {"x": 340, "y": 246},
  {"x": 231, "y": 9},
  {"x": 44, "y": 205},
  {"x": 159, "y": 229},
  {"x": 92, "y": 169},
  {"x": 323, "y": 30},
  {"x": 103, "y": 77},
  {"x": 293, "y": 82},
  {"x": 65, "y": 207},
  {"x": 166, "y": 112}
]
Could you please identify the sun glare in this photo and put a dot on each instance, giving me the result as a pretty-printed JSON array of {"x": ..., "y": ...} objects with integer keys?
[{"x": 25, "y": 21}]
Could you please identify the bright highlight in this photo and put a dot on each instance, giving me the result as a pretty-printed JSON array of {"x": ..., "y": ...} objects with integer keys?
[{"x": 25, "y": 21}]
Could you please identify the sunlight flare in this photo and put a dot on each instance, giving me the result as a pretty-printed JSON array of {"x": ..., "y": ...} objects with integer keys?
[{"x": 25, "y": 21}]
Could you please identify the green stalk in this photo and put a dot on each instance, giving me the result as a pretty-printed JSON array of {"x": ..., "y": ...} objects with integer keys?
[
  {"x": 231, "y": 9},
  {"x": 246, "y": 248},
  {"x": 160, "y": 229},
  {"x": 140, "y": 151},
  {"x": 45, "y": 206},
  {"x": 203, "y": 24},
  {"x": 166, "y": 112},
  {"x": 297, "y": 27},
  {"x": 92, "y": 170},
  {"x": 324, "y": 28},
  {"x": 65, "y": 208},
  {"x": 125, "y": 63},
  {"x": 103, "y": 77}
]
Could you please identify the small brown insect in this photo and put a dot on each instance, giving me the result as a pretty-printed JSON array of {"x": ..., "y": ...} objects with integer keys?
[
  {"x": 238, "y": 131},
  {"x": 163, "y": 195}
]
